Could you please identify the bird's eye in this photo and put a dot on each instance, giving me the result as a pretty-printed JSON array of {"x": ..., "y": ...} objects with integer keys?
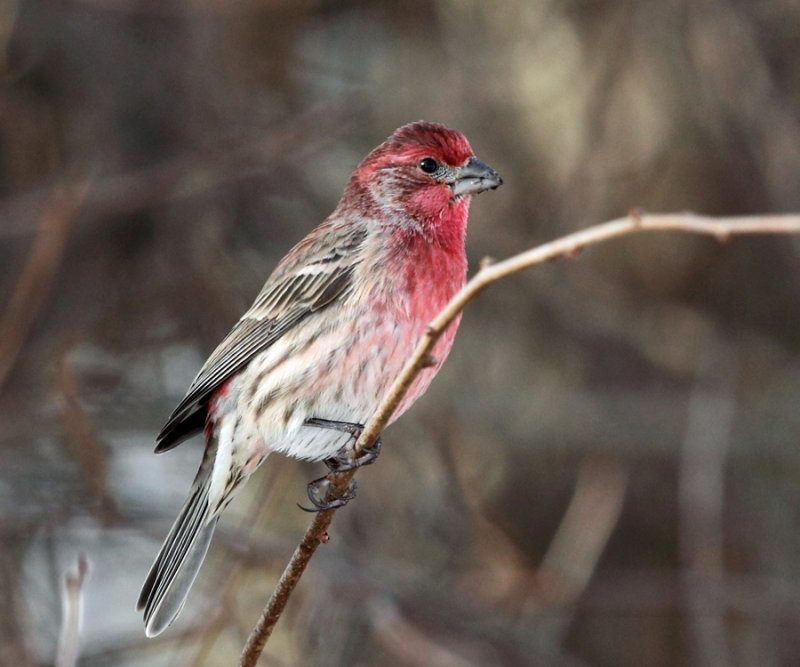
[{"x": 428, "y": 165}]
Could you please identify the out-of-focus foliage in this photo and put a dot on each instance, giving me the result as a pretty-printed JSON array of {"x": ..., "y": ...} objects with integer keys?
[{"x": 606, "y": 472}]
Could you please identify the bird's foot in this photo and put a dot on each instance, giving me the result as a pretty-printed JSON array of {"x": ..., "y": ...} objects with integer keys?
[
  {"x": 345, "y": 459},
  {"x": 318, "y": 495}
]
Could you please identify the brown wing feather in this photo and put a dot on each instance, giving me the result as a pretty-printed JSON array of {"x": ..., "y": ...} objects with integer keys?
[{"x": 305, "y": 282}]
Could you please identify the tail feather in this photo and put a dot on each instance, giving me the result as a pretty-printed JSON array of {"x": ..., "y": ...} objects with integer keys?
[
  {"x": 178, "y": 562},
  {"x": 176, "y": 547}
]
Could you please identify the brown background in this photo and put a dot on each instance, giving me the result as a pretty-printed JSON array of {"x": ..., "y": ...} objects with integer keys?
[{"x": 607, "y": 470}]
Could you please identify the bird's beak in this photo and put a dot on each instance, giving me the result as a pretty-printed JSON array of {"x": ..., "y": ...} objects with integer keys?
[{"x": 475, "y": 177}]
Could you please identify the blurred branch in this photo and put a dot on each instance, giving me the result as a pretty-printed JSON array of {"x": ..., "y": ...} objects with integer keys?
[
  {"x": 9, "y": 9},
  {"x": 259, "y": 510},
  {"x": 582, "y": 536},
  {"x": 81, "y": 440},
  {"x": 505, "y": 576},
  {"x": 204, "y": 169},
  {"x": 15, "y": 642},
  {"x": 735, "y": 68},
  {"x": 410, "y": 645},
  {"x": 36, "y": 279},
  {"x": 586, "y": 526},
  {"x": 701, "y": 495},
  {"x": 566, "y": 247},
  {"x": 71, "y": 602}
]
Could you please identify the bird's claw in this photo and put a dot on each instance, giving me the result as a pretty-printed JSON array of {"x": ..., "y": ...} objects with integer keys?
[
  {"x": 318, "y": 491},
  {"x": 346, "y": 460}
]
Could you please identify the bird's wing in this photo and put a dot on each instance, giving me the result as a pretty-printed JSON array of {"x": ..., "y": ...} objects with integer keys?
[{"x": 311, "y": 277}]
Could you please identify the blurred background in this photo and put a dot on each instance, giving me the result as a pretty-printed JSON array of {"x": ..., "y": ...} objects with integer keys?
[{"x": 607, "y": 470}]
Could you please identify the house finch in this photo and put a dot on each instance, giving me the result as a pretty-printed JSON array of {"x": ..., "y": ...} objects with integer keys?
[{"x": 308, "y": 364}]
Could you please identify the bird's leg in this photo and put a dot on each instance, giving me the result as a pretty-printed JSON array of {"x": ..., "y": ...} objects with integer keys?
[{"x": 345, "y": 459}]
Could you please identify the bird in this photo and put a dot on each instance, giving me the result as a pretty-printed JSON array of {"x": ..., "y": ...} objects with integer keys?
[{"x": 309, "y": 362}]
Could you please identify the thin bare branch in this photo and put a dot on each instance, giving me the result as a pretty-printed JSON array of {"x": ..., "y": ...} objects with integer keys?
[
  {"x": 316, "y": 533},
  {"x": 565, "y": 247}
]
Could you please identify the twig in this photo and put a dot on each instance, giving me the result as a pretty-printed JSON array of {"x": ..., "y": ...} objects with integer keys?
[
  {"x": 566, "y": 247},
  {"x": 315, "y": 534}
]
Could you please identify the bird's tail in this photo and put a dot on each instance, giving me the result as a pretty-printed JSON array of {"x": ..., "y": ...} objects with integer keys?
[{"x": 179, "y": 560}]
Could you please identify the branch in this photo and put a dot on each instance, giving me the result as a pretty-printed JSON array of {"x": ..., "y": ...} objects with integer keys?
[{"x": 567, "y": 246}]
